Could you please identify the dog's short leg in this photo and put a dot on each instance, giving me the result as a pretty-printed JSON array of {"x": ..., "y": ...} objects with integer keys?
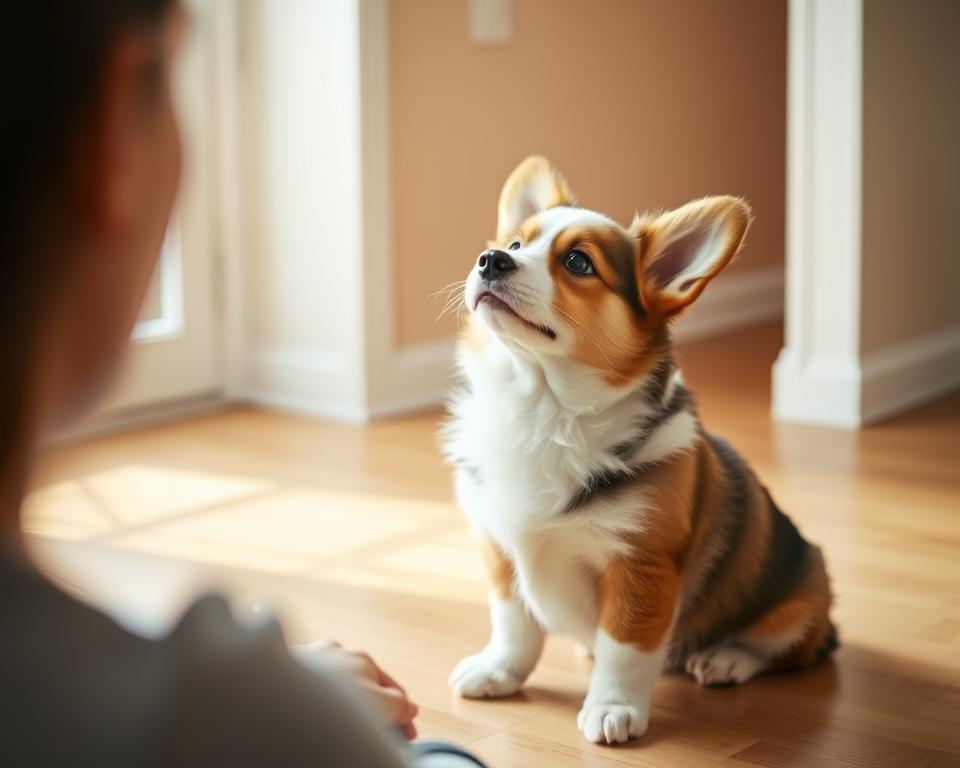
[
  {"x": 638, "y": 599},
  {"x": 617, "y": 707},
  {"x": 511, "y": 654},
  {"x": 516, "y": 639}
]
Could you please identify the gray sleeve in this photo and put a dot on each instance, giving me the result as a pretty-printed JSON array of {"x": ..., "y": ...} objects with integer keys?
[{"x": 240, "y": 699}]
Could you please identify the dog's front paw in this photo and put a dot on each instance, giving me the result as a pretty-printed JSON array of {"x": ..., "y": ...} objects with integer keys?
[
  {"x": 612, "y": 723},
  {"x": 483, "y": 677}
]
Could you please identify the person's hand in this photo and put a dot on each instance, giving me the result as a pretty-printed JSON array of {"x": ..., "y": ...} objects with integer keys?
[{"x": 386, "y": 692}]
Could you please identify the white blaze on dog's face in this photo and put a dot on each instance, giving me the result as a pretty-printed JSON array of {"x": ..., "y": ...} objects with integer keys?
[{"x": 568, "y": 282}]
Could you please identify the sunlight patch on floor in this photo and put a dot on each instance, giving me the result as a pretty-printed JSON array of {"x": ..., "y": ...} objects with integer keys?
[
  {"x": 66, "y": 511},
  {"x": 111, "y": 501},
  {"x": 435, "y": 570},
  {"x": 287, "y": 532}
]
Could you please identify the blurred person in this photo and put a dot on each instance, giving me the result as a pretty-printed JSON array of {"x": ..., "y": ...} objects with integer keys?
[{"x": 91, "y": 163}]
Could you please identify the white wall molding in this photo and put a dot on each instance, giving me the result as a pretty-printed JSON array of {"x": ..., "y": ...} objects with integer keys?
[
  {"x": 305, "y": 379},
  {"x": 906, "y": 374},
  {"x": 139, "y": 417},
  {"x": 416, "y": 377},
  {"x": 817, "y": 376},
  {"x": 735, "y": 301},
  {"x": 385, "y": 389},
  {"x": 820, "y": 391},
  {"x": 228, "y": 117},
  {"x": 884, "y": 383}
]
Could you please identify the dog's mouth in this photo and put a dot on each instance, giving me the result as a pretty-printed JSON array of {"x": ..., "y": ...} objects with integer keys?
[{"x": 495, "y": 302}]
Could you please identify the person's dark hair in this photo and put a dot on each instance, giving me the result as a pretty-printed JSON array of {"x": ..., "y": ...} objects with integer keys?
[{"x": 51, "y": 69}]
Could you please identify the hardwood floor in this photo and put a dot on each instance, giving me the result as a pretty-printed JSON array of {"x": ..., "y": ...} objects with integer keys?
[{"x": 351, "y": 533}]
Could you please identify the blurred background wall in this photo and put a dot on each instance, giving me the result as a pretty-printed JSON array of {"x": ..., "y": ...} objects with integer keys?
[
  {"x": 911, "y": 170},
  {"x": 358, "y": 147},
  {"x": 641, "y": 103}
]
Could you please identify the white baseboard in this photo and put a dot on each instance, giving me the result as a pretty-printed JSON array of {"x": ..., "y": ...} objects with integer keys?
[
  {"x": 821, "y": 392},
  {"x": 306, "y": 406},
  {"x": 127, "y": 419},
  {"x": 850, "y": 394},
  {"x": 306, "y": 381},
  {"x": 419, "y": 376},
  {"x": 735, "y": 301},
  {"x": 910, "y": 373}
]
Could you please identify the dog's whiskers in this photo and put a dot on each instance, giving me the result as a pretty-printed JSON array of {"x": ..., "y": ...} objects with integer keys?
[
  {"x": 455, "y": 285},
  {"x": 453, "y": 301}
]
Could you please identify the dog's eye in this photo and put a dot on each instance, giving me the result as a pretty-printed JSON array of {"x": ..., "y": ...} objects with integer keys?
[
  {"x": 515, "y": 245},
  {"x": 577, "y": 263}
]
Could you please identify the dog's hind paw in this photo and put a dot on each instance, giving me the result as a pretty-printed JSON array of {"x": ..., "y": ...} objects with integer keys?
[{"x": 724, "y": 665}]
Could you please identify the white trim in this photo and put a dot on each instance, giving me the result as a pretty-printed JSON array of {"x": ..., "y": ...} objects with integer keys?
[
  {"x": 397, "y": 379},
  {"x": 169, "y": 324},
  {"x": 380, "y": 354},
  {"x": 886, "y": 382},
  {"x": 418, "y": 377},
  {"x": 137, "y": 417},
  {"x": 731, "y": 302},
  {"x": 227, "y": 205},
  {"x": 306, "y": 380},
  {"x": 817, "y": 376},
  {"x": 307, "y": 405},
  {"x": 907, "y": 374},
  {"x": 821, "y": 391}
]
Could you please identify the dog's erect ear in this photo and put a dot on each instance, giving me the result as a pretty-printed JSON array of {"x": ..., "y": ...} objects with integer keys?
[
  {"x": 682, "y": 250},
  {"x": 534, "y": 186}
]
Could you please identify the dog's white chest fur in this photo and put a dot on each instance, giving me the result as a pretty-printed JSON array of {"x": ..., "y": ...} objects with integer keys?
[{"x": 521, "y": 455}]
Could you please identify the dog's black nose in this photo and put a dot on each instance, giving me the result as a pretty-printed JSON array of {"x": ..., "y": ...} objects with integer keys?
[{"x": 495, "y": 264}]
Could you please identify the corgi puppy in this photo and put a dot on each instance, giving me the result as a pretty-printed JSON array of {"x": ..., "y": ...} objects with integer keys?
[{"x": 605, "y": 509}]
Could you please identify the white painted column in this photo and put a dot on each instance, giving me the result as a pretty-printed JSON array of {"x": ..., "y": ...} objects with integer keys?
[{"x": 817, "y": 377}]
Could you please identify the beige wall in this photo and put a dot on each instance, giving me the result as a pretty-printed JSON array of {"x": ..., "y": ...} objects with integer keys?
[
  {"x": 911, "y": 172},
  {"x": 641, "y": 103}
]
